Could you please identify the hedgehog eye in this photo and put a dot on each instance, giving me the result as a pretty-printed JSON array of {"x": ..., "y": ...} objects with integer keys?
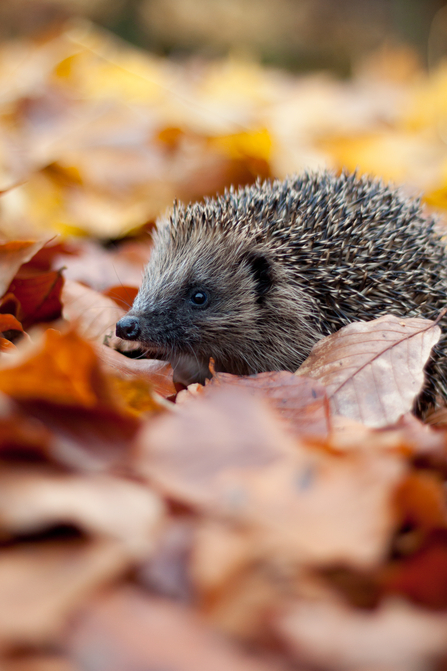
[{"x": 199, "y": 298}]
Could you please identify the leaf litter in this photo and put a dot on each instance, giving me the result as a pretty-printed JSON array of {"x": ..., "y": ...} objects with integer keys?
[{"x": 274, "y": 522}]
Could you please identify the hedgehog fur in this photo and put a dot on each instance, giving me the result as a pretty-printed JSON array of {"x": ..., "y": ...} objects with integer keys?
[{"x": 253, "y": 278}]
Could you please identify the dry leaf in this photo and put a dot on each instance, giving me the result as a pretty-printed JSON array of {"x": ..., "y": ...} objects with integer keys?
[
  {"x": 335, "y": 636},
  {"x": 225, "y": 431},
  {"x": 94, "y": 314},
  {"x": 421, "y": 576},
  {"x": 166, "y": 572},
  {"x": 9, "y": 323},
  {"x": 374, "y": 371},
  {"x": 63, "y": 386},
  {"x": 21, "y": 435},
  {"x": 220, "y": 551},
  {"x": 300, "y": 401},
  {"x": 37, "y": 662},
  {"x": 39, "y": 297},
  {"x": 91, "y": 439},
  {"x": 420, "y": 500},
  {"x": 125, "y": 630},
  {"x": 123, "y": 295},
  {"x": 41, "y": 585},
  {"x": 157, "y": 373},
  {"x": 137, "y": 395},
  {"x": 64, "y": 371},
  {"x": 243, "y": 607},
  {"x": 12, "y": 256},
  {"x": 101, "y": 269},
  {"x": 32, "y": 501},
  {"x": 289, "y": 541},
  {"x": 225, "y": 454},
  {"x": 6, "y": 346}
]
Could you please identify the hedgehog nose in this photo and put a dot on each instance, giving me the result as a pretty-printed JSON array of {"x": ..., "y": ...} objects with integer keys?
[{"x": 128, "y": 328}]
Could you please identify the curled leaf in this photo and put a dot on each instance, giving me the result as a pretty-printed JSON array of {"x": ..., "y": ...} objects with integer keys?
[{"x": 9, "y": 323}]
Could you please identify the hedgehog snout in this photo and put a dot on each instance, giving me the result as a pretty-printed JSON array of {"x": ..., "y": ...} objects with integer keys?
[{"x": 128, "y": 328}]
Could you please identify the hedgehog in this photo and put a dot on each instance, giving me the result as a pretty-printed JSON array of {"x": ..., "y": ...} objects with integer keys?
[{"x": 255, "y": 277}]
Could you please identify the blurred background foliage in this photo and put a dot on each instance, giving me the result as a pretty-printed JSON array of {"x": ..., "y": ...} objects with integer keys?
[
  {"x": 296, "y": 34},
  {"x": 109, "y": 110}
]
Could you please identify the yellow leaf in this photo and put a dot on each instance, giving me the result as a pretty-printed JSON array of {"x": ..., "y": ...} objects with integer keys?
[{"x": 257, "y": 144}]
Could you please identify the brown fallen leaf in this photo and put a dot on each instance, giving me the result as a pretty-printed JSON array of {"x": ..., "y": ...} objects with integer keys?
[
  {"x": 9, "y": 304},
  {"x": 6, "y": 346},
  {"x": 20, "y": 434},
  {"x": 374, "y": 371},
  {"x": 302, "y": 402},
  {"x": 102, "y": 269},
  {"x": 243, "y": 607},
  {"x": 220, "y": 551},
  {"x": 409, "y": 437},
  {"x": 420, "y": 500},
  {"x": 333, "y": 636},
  {"x": 37, "y": 662},
  {"x": 65, "y": 370},
  {"x": 39, "y": 297},
  {"x": 188, "y": 394},
  {"x": 94, "y": 314},
  {"x": 137, "y": 395},
  {"x": 157, "y": 373},
  {"x": 9, "y": 323},
  {"x": 13, "y": 255},
  {"x": 42, "y": 584},
  {"x": 32, "y": 501},
  {"x": 226, "y": 430},
  {"x": 126, "y": 630},
  {"x": 166, "y": 571},
  {"x": 123, "y": 295},
  {"x": 87, "y": 439},
  {"x": 422, "y": 576},
  {"x": 63, "y": 386},
  {"x": 226, "y": 455},
  {"x": 52, "y": 256}
]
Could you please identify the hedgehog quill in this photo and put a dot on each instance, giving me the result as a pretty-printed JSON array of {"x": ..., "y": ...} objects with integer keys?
[{"x": 253, "y": 278}]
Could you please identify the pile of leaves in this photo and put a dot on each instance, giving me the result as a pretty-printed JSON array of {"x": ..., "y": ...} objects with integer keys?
[{"x": 277, "y": 522}]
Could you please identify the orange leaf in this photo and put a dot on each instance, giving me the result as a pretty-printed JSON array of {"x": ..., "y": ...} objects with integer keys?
[
  {"x": 157, "y": 373},
  {"x": 45, "y": 257},
  {"x": 9, "y": 304},
  {"x": 21, "y": 435},
  {"x": 65, "y": 371},
  {"x": 123, "y": 295},
  {"x": 420, "y": 499},
  {"x": 39, "y": 296},
  {"x": 136, "y": 393},
  {"x": 423, "y": 575},
  {"x": 64, "y": 388},
  {"x": 6, "y": 345},
  {"x": 9, "y": 323},
  {"x": 12, "y": 256}
]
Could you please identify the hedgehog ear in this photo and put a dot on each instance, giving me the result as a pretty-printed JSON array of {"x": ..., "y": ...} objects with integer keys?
[{"x": 261, "y": 270}]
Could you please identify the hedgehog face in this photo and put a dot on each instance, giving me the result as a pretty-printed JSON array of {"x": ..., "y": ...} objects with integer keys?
[
  {"x": 217, "y": 288},
  {"x": 195, "y": 303}
]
